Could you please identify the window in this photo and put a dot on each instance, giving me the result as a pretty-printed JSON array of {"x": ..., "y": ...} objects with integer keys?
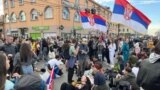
[
  {"x": 6, "y": 4},
  {"x": 123, "y": 30},
  {"x": 33, "y": 1},
  {"x": 65, "y": 14},
  {"x": 7, "y": 18},
  {"x": 127, "y": 30},
  {"x": 77, "y": 17},
  {"x": 13, "y": 17},
  {"x": 34, "y": 14},
  {"x": 12, "y": 3},
  {"x": 22, "y": 16},
  {"x": 21, "y": 2},
  {"x": 48, "y": 12}
]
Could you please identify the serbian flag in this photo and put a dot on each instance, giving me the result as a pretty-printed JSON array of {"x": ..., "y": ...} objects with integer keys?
[
  {"x": 50, "y": 81},
  {"x": 125, "y": 13},
  {"x": 93, "y": 21}
]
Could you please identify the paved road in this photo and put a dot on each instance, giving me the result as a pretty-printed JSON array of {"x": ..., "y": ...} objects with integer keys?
[{"x": 57, "y": 81}]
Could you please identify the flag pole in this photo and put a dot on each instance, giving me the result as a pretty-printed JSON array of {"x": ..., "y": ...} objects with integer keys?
[{"x": 118, "y": 30}]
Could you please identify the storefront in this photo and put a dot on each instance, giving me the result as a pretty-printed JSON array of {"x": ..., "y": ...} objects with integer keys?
[
  {"x": 39, "y": 32},
  {"x": 35, "y": 35},
  {"x": 66, "y": 36}
]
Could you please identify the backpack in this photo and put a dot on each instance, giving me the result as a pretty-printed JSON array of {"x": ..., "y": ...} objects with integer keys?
[
  {"x": 124, "y": 85},
  {"x": 66, "y": 53},
  {"x": 30, "y": 82}
]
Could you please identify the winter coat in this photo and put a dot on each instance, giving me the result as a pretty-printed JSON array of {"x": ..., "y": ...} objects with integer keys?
[
  {"x": 130, "y": 77},
  {"x": 149, "y": 74}
]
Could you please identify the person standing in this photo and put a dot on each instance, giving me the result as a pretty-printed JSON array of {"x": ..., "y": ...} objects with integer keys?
[
  {"x": 10, "y": 49},
  {"x": 125, "y": 51},
  {"x": 112, "y": 48},
  {"x": 45, "y": 49},
  {"x": 94, "y": 47},
  {"x": 72, "y": 60},
  {"x": 25, "y": 59},
  {"x": 82, "y": 56}
]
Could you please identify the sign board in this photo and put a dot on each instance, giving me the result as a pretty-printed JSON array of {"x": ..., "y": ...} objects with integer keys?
[
  {"x": 77, "y": 28},
  {"x": 49, "y": 34},
  {"x": 39, "y": 28}
]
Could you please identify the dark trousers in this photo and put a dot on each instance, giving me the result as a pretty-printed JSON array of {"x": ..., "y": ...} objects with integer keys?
[
  {"x": 70, "y": 74},
  {"x": 105, "y": 53},
  {"x": 92, "y": 53}
]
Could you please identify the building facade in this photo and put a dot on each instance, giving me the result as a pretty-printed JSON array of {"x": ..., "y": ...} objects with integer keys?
[
  {"x": 121, "y": 30},
  {"x": 44, "y": 18}
]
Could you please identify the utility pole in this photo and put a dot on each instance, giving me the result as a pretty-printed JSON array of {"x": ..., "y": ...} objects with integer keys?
[
  {"x": 9, "y": 18},
  {"x": 118, "y": 29}
]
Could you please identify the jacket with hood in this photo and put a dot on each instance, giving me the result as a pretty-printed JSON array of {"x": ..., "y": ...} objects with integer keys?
[
  {"x": 149, "y": 74},
  {"x": 130, "y": 77}
]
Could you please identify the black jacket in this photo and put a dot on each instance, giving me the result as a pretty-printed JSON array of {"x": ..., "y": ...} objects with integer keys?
[
  {"x": 149, "y": 75},
  {"x": 131, "y": 79}
]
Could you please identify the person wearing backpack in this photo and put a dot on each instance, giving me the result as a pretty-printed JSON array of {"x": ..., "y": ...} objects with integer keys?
[{"x": 25, "y": 59}]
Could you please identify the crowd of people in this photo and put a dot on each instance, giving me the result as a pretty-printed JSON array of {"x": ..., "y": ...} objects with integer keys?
[{"x": 100, "y": 63}]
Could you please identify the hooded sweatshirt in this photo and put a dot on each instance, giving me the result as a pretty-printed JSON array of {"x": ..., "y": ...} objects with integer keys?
[{"x": 149, "y": 73}]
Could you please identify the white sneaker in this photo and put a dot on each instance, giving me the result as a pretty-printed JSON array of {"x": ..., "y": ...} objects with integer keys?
[{"x": 57, "y": 76}]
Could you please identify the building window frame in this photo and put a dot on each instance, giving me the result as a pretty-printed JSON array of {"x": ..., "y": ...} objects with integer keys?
[
  {"x": 65, "y": 13},
  {"x": 34, "y": 15},
  {"x": 21, "y": 2},
  {"x": 77, "y": 17},
  {"x": 6, "y": 4},
  {"x": 7, "y": 18},
  {"x": 46, "y": 12},
  {"x": 13, "y": 17},
  {"x": 22, "y": 16},
  {"x": 33, "y": 1},
  {"x": 12, "y": 3}
]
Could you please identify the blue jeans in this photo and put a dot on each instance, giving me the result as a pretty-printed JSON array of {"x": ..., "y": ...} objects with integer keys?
[
  {"x": 27, "y": 69},
  {"x": 56, "y": 71}
]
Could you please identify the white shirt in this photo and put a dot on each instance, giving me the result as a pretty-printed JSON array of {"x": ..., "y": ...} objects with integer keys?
[
  {"x": 135, "y": 70},
  {"x": 54, "y": 62},
  {"x": 112, "y": 47}
]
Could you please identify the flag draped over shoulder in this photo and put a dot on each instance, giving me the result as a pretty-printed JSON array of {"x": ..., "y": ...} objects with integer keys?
[
  {"x": 50, "y": 81},
  {"x": 124, "y": 13},
  {"x": 93, "y": 21}
]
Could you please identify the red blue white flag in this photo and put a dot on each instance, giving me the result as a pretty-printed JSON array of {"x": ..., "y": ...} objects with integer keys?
[
  {"x": 124, "y": 13},
  {"x": 50, "y": 81},
  {"x": 93, "y": 21}
]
